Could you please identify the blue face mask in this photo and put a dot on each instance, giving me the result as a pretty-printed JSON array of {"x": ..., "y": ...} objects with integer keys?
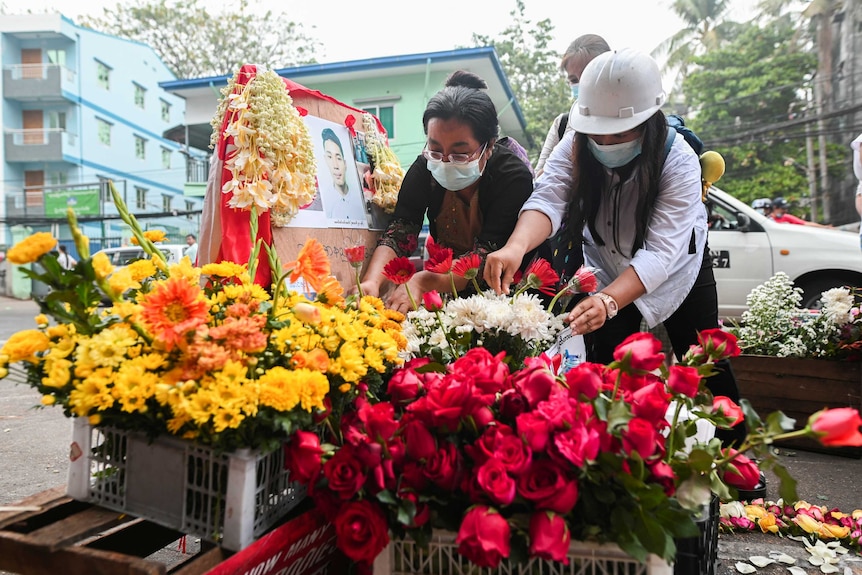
[
  {"x": 456, "y": 177},
  {"x": 574, "y": 88},
  {"x": 615, "y": 155}
]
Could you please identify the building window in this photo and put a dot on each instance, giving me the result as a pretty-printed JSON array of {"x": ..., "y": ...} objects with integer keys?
[
  {"x": 140, "y": 95},
  {"x": 140, "y": 148},
  {"x": 56, "y": 120},
  {"x": 57, "y": 57},
  {"x": 58, "y": 178},
  {"x": 103, "y": 75},
  {"x": 166, "y": 202},
  {"x": 190, "y": 206},
  {"x": 386, "y": 115},
  {"x": 166, "y": 158},
  {"x": 166, "y": 111},
  {"x": 141, "y": 198},
  {"x": 104, "y": 130}
]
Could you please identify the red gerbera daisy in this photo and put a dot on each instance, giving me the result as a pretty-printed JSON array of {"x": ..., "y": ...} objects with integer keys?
[
  {"x": 541, "y": 276},
  {"x": 439, "y": 258},
  {"x": 467, "y": 267},
  {"x": 399, "y": 270}
]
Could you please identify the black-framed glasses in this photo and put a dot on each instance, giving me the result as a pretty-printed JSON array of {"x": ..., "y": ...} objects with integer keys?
[{"x": 458, "y": 159}]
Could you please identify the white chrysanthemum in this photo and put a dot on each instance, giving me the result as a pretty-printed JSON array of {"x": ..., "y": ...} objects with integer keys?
[{"x": 836, "y": 304}]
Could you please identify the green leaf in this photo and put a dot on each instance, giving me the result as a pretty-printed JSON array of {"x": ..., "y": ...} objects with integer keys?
[
  {"x": 787, "y": 485},
  {"x": 752, "y": 418},
  {"x": 701, "y": 460},
  {"x": 619, "y": 415},
  {"x": 777, "y": 422},
  {"x": 385, "y": 496}
]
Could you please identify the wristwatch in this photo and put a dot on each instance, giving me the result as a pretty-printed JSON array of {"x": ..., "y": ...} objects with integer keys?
[{"x": 610, "y": 304}]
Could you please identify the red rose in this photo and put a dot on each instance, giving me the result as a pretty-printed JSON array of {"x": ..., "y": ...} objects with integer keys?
[
  {"x": 558, "y": 410},
  {"x": 345, "y": 473},
  {"x": 585, "y": 379},
  {"x": 651, "y": 401},
  {"x": 486, "y": 445},
  {"x": 512, "y": 404},
  {"x": 488, "y": 372},
  {"x": 549, "y": 537},
  {"x": 728, "y": 408},
  {"x": 404, "y": 385},
  {"x": 423, "y": 511},
  {"x": 412, "y": 478},
  {"x": 640, "y": 436},
  {"x": 718, "y": 344},
  {"x": 662, "y": 473},
  {"x": 742, "y": 472},
  {"x": 578, "y": 444},
  {"x": 534, "y": 382},
  {"x": 445, "y": 402},
  {"x": 379, "y": 420},
  {"x": 444, "y": 466},
  {"x": 836, "y": 427},
  {"x": 684, "y": 380},
  {"x": 420, "y": 441},
  {"x": 302, "y": 457},
  {"x": 534, "y": 429},
  {"x": 548, "y": 486},
  {"x": 432, "y": 300},
  {"x": 641, "y": 351},
  {"x": 495, "y": 481},
  {"x": 484, "y": 537},
  {"x": 513, "y": 453},
  {"x": 361, "y": 530}
]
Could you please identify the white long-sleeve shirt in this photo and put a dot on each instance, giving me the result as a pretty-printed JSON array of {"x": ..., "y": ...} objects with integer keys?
[{"x": 671, "y": 257}]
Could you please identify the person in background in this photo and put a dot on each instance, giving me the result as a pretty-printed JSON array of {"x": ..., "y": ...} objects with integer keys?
[
  {"x": 640, "y": 216},
  {"x": 192, "y": 250},
  {"x": 468, "y": 186},
  {"x": 779, "y": 214},
  {"x": 579, "y": 53},
  {"x": 762, "y": 205},
  {"x": 67, "y": 262},
  {"x": 856, "y": 146}
]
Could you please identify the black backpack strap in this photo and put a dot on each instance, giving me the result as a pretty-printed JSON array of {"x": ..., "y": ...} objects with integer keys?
[
  {"x": 668, "y": 143},
  {"x": 564, "y": 121}
]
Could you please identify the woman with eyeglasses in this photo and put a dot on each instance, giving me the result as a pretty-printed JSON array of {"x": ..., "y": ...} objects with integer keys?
[{"x": 470, "y": 188}]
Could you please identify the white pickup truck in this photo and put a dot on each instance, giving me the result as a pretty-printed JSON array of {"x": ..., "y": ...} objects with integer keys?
[{"x": 747, "y": 248}]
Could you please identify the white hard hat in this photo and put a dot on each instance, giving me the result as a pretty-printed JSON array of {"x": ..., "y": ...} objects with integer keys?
[
  {"x": 761, "y": 203},
  {"x": 619, "y": 90}
]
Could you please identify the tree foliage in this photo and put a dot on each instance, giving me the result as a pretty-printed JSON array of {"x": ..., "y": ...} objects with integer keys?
[
  {"x": 533, "y": 70},
  {"x": 743, "y": 95},
  {"x": 193, "y": 41}
]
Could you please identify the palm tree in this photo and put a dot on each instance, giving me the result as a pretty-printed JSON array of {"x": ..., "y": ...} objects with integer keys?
[{"x": 705, "y": 28}]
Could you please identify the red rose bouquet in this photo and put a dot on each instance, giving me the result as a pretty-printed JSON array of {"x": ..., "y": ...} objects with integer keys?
[{"x": 520, "y": 462}]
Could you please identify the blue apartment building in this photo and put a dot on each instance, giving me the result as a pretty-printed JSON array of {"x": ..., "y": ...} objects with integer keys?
[{"x": 80, "y": 109}]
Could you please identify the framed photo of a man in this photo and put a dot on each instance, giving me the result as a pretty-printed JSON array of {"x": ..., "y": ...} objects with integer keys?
[{"x": 337, "y": 175}]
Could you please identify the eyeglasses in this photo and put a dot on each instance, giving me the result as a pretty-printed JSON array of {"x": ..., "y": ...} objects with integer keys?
[{"x": 458, "y": 159}]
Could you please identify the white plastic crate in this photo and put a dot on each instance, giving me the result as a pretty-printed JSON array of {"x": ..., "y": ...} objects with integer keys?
[
  {"x": 406, "y": 557},
  {"x": 229, "y": 498}
]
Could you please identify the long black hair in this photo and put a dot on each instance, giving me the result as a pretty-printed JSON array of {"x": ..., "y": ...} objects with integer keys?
[{"x": 589, "y": 183}]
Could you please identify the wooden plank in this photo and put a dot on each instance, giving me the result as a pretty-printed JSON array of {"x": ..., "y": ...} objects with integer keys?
[
  {"x": 78, "y": 526},
  {"x": 205, "y": 560},
  {"x": 139, "y": 538},
  {"x": 19, "y": 554},
  {"x": 44, "y": 500}
]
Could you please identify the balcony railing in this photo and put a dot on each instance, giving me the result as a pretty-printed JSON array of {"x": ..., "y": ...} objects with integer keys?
[
  {"x": 197, "y": 170},
  {"x": 40, "y": 145},
  {"x": 26, "y": 82}
]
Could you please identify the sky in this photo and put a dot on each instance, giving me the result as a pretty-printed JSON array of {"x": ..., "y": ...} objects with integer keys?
[{"x": 405, "y": 27}]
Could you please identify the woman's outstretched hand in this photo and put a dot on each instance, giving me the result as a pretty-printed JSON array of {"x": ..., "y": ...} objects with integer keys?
[{"x": 500, "y": 268}]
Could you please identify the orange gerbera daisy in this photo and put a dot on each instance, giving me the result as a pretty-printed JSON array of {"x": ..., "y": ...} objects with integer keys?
[
  {"x": 311, "y": 264},
  {"x": 330, "y": 291},
  {"x": 172, "y": 309}
]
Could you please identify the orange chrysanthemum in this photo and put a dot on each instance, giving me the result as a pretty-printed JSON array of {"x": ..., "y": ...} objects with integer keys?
[
  {"x": 173, "y": 309},
  {"x": 311, "y": 264}
]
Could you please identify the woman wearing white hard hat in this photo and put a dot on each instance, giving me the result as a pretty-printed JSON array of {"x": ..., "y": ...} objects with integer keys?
[{"x": 639, "y": 214}]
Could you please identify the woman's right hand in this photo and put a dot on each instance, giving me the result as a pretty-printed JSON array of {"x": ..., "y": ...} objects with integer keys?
[
  {"x": 370, "y": 287},
  {"x": 501, "y": 266}
]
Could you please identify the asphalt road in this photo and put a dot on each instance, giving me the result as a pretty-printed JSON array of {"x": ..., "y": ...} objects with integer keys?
[{"x": 34, "y": 445}]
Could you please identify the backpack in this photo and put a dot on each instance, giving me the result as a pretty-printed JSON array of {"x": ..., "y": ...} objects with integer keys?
[{"x": 512, "y": 144}]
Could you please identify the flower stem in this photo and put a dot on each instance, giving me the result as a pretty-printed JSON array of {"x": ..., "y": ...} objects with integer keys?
[
  {"x": 445, "y": 332},
  {"x": 671, "y": 448},
  {"x": 410, "y": 295},
  {"x": 476, "y": 285},
  {"x": 452, "y": 281},
  {"x": 358, "y": 283}
]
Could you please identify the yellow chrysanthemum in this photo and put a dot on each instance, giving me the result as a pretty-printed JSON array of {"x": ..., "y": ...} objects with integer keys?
[
  {"x": 224, "y": 270},
  {"x": 58, "y": 373},
  {"x": 154, "y": 236},
  {"x": 141, "y": 269},
  {"x": 41, "y": 320},
  {"x": 186, "y": 269},
  {"x": 121, "y": 281},
  {"x": 227, "y": 419},
  {"x": 24, "y": 345},
  {"x": 349, "y": 364},
  {"x": 102, "y": 265},
  {"x": 31, "y": 249}
]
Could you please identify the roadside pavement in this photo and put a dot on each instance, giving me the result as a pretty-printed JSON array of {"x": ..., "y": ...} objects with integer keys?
[{"x": 34, "y": 446}]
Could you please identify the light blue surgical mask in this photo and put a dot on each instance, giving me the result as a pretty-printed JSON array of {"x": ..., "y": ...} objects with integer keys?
[
  {"x": 574, "y": 88},
  {"x": 615, "y": 155},
  {"x": 455, "y": 177}
]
